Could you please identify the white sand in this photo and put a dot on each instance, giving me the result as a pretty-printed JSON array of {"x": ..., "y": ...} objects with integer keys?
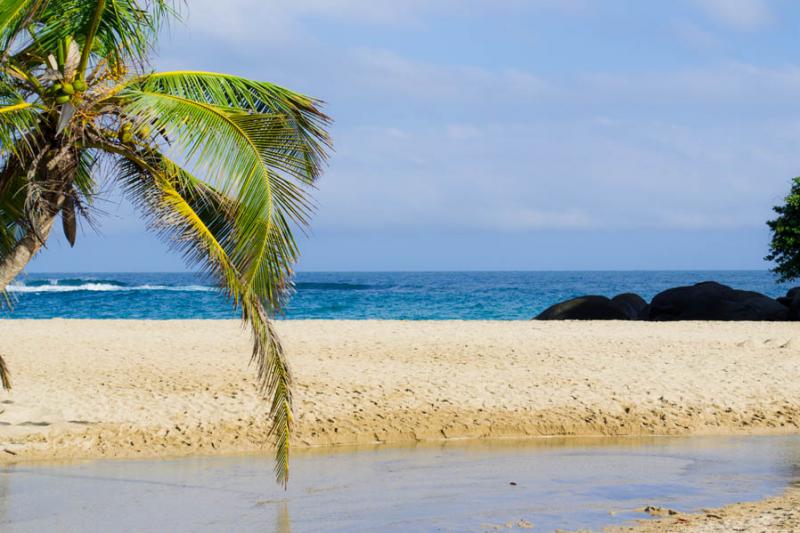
[{"x": 91, "y": 388}]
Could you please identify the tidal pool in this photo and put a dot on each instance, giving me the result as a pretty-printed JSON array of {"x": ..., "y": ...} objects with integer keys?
[{"x": 457, "y": 486}]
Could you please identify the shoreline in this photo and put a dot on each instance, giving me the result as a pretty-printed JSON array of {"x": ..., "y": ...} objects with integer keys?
[{"x": 774, "y": 513}]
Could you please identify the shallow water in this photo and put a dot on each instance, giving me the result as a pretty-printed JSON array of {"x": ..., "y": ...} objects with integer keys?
[{"x": 466, "y": 486}]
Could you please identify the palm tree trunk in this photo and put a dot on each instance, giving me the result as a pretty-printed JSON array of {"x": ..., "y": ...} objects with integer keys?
[
  {"x": 26, "y": 248},
  {"x": 58, "y": 166}
]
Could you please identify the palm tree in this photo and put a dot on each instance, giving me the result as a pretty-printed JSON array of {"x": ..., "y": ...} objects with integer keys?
[{"x": 219, "y": 165}]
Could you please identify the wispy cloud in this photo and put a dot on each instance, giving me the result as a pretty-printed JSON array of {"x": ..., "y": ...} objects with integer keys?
[
  {"x": 531, "y": 131},
  {"x": 461, "y": 132},
  {"x": 723, "y": 83},
  {"x": 747, "y": 15},
  {"x": 695, "y": 37},
  {"x": 281, "y": 21},
  {"x": 527, "y": 219},
  {"x": 393, "y": 73}
]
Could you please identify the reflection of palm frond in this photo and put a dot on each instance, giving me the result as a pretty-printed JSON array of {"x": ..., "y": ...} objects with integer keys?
[{"x": 5, "y": 375}]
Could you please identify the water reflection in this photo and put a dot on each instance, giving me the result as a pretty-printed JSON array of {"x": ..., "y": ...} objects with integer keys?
[
  {"x": 553, "y": 483},
  {"x": 283, "y": 524}
]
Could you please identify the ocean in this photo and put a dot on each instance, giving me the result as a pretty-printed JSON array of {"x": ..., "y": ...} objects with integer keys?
[{"x": 351, "y": 295}]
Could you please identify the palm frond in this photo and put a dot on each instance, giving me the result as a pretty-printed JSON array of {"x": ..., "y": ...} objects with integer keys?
[
  {"x": 125, "y": 32},
  {"x": 15, "y": 15},
  {"x": 84, "y": 175},
  {"x": 200, "y": 221},
  {"x": 19, "y": 123},
  {"x": 244, "y": 155},
  {"x": 224, "y": 176},
  {"x": 300, "y": 116},
  {"x": 12, "y": 205}
]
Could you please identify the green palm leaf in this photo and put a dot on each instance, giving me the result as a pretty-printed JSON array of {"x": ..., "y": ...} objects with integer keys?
[
  {"x": 200, "y": 221},
  {"x": 125, "y": 32},
  {"x": 17, "y": 122},
  {"x": 242, "y": 154},
  {"x": 220, "y": 165},
  {"x": 14, "y": 15}
]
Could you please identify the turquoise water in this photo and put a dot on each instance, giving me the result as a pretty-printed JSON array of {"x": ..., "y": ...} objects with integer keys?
[
  {"x": 480, "y": 486},
  {"x": 352, "y": 295}
]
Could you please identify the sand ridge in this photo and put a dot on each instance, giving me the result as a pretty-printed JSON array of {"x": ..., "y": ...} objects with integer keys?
[{"x": 127, "y": 388}]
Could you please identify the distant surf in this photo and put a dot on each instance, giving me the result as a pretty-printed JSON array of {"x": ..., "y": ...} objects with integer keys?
[
  {"x": 349, "y": 295},
  {"x": 95, "y": 285}
]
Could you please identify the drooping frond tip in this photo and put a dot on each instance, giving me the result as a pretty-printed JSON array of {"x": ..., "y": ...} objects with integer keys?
[
  {"x": 274, "y": 380},
  {"x": 202, "y": 223}
]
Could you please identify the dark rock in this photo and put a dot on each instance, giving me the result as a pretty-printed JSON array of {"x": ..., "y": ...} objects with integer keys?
[
  {"x": 713, "y": 301},
  {"x": 632, "y": 304},
  {"x": 584, "y": 308},
  {"x": 790, "y": 296},
  {"x": 792, "y": 301}
]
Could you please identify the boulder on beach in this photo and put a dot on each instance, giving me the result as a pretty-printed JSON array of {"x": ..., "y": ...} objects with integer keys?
[
  {"x": 792, "y": 301},
  {"x": 631, "y": 303},
  {"x": 589, "y": 307},
  {"x": 710, "y": 300}
]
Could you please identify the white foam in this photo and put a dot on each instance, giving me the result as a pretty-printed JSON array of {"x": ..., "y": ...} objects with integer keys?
[{"x": 107, "y": 287}]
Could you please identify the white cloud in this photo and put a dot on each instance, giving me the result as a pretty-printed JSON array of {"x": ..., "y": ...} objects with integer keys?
[
  {"x": 423, "y": 142},
  {"x": 279, "y": 21},
  {"x": 397, "y": 133},
  {"x": 461, "y": 132},
  {"x": 561, "y": 174},
  {"x": 526, "y": 219},
  {"x": 745, "y": 15},
  {"x": 695, "y": 37},
  {"x": 732, "y": 82},
  {"x": 687, "y": 220},
  {"x": 396, "y": 75}
]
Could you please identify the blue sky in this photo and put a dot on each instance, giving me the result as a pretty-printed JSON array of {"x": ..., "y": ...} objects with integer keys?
[{"x": 512, "y": 134}]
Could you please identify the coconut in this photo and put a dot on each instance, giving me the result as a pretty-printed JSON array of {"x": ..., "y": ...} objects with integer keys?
[
  {"x": 68, "y": 88},
  {"x": 79, "y": 85},
  {"x": 63, "y": 99}
]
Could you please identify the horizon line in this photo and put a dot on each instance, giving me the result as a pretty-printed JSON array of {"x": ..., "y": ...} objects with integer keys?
[{"x": 422, "y": 271}]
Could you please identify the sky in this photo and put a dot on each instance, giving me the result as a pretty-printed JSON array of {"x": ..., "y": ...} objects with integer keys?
[{"x": 511, "y": 134}]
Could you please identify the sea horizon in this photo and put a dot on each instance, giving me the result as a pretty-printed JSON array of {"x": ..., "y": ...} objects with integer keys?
[
  {"x": 392, "y": 271},
  {"x": 387, "y": 295}
]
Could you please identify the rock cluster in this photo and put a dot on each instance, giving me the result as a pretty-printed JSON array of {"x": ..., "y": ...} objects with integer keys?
[{"x": 708, "y": 300}]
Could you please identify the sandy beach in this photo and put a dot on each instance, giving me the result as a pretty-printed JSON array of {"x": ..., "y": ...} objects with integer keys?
[
  {"x": 95, "y": 388},
  {"x": 91, "y": 388},
  {"x": 781, "y": 513}
]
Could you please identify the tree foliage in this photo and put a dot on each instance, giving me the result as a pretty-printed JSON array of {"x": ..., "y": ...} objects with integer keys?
[
  {"x": 785, "y": 244},
  {"x": 219, "y": 165}
]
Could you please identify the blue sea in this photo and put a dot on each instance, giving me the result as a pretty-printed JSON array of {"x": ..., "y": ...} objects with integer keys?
[{"x": 351, "y": 295}]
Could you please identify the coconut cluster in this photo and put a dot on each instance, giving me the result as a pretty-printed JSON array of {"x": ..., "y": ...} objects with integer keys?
[
  {"x": 126, "y": 133},
  {"x": 64, "y": 92}
]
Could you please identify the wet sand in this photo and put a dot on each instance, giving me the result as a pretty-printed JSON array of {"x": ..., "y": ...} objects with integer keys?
[
  {"x": 94, "y": 388},
  {"x": 779, "y": 514}
]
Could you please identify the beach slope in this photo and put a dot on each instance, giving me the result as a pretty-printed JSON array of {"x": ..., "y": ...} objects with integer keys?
[{"x": 102, "y": 388}]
